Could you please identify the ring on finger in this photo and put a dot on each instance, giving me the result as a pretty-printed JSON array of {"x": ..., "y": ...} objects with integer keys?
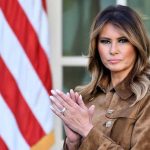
[{"x": 62, "y": 110}]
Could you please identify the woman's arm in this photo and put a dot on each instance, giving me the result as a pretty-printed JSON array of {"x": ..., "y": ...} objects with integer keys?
[{"x": 77, "y": 118}]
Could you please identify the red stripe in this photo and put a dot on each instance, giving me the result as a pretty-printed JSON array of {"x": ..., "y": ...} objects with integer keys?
[
  {"x": 44, "y": 5},
  {"x": 3, "y": 146},
  {"x": 27, "y": 123},
  {"x": 28, "y": 39}
]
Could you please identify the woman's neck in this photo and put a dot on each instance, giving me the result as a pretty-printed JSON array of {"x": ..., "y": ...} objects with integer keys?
[{"x": 117, "y": 77}]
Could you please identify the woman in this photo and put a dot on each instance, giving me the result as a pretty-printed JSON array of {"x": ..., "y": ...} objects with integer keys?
[{"x": 114, "y": 109}]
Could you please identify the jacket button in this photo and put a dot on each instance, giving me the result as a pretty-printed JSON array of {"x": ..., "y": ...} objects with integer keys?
[
  {"x": 110, "y": 111},
  {"x": 108, "y": 124}
]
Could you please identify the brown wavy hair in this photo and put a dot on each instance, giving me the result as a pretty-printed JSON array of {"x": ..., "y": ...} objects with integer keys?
[{"x": 130, "y": 23}]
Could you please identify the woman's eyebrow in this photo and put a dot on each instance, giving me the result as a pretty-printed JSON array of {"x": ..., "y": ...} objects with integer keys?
[
  {"x": 102, "y": 37},
  {"x": 122, "y": 37}
]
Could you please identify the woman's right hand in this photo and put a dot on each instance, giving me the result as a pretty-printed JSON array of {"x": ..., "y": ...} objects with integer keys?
[{"x": 72, "y": 137}]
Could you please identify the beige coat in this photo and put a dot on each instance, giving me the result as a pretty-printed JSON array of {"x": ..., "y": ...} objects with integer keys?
[{"x": 118, "y": 124}]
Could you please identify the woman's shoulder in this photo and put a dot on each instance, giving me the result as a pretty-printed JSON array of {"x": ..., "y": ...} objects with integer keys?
[{"x": 145, "y": 101}]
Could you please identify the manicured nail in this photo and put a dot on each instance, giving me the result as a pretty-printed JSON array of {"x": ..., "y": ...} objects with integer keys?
[
  {"x": 80, "y": 96},
  {"x": 76, "y": 93},
  {"x": 71, "y": 90},
  {"x": 58, "y": 91},
  {"x": 52, "y": 98},
  {"x": 51, "y": 107},
  {"x": 53, "y": 92}
]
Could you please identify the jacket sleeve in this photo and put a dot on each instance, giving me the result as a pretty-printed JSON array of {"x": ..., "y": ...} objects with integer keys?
[
  {"x": 95, "y": 140},
  {"x": 98, "y": 141},
  {"x": 141, "y": 133},
  {"x": 74, "y": 147}
]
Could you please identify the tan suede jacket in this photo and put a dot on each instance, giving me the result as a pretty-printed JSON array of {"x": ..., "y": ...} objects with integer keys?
[{"x": 118, "y": 124}]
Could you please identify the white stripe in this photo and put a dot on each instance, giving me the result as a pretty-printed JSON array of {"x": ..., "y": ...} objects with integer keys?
[
  {"x": 121, "y": 2},
  {"x": 29, "y": 84},
  {"x": 37, "y": 16},
  {"x": 9, "y": 129},
  {"x": 74, "y": 61}
]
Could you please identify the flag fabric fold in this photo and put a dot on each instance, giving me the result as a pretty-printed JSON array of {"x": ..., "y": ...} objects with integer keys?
[{"x": 25, "y": 76}]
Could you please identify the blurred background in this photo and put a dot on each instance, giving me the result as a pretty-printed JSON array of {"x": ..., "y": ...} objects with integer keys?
[
  {"x": 43, "y": 46},
  {"x": 70, "y": 22}
]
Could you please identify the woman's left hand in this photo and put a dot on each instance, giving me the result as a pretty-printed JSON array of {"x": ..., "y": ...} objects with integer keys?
[{"x": 75, "y": 115}]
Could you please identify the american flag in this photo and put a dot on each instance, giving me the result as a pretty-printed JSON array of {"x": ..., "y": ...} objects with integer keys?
[{"x": 26, "y": 121}]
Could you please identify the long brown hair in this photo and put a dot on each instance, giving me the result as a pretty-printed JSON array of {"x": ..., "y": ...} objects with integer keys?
[{"x": 130, "y": 23}]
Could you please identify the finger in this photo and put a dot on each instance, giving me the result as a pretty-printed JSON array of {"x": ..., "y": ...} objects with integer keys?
[
  {"x": 72, "y": 95},
  {"x": 61, "y": 116},
  {"x": 66, "y": 120},
  {"x": 91, "y": 111},
  {"x": 66, "y": 99},
  {"x": 81, "y": 103},
  {"x": 77, "y": 95},
  {"x": 58, "y": 113},
  {"x": 68, "y": 94},
  {"x": 62, "y": 101},
  {"x": 54, "y": 106},
  {"x": 56, "y": 103}
]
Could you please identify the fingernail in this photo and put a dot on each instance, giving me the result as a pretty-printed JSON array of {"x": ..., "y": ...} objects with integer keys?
[
  {"x": 71, "y": 90},
  {"x": 76, "y": 93},
  {"x": 58, "y": 91},
  {"x": 93, "y": 106},
  {"x": 80, "y": 96},
  {"x": 53, "y": 92},
  {"x": 51, "y": 107},
  {"x": 52, "y": 98},
  {"x": 68, "y": 94}
]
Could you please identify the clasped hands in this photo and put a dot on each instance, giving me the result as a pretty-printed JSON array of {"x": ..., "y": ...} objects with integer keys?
[{"x": 71, "y": 109}]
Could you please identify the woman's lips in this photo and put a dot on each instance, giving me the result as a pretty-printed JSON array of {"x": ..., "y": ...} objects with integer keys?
[{"x": 114, "y": 61}]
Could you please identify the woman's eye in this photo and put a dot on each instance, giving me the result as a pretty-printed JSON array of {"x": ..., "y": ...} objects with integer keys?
[
  {"x": 105, "y": 41},
  {"x": 123, "y": 40}
]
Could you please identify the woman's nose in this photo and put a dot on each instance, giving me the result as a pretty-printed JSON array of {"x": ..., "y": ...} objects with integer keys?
[{"x": 114, "y": 49}]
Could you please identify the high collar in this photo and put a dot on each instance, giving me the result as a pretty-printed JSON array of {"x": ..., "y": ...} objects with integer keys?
[{"x": 122, "y": 89}]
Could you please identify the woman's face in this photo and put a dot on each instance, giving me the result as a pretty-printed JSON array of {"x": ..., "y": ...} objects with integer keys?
[{"x": 116, "y": 52}]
